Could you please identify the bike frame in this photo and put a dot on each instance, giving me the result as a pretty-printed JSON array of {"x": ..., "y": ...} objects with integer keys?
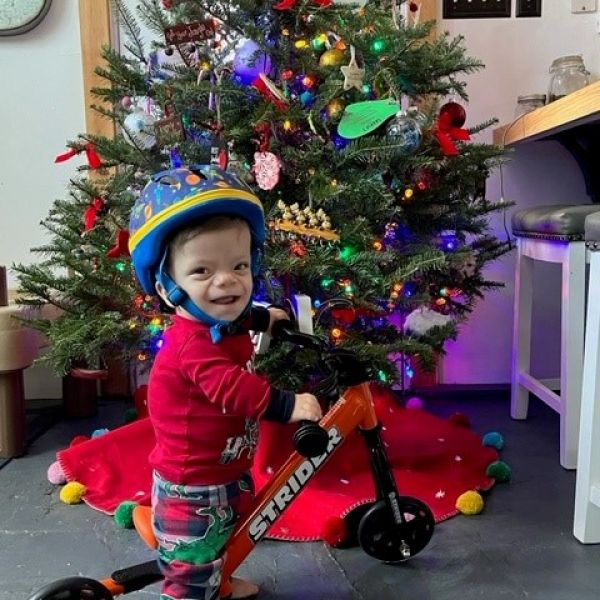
[{"x": 353, "y": 410}]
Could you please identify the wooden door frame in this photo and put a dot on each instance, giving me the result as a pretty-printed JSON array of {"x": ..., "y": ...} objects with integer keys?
[{"x": 97, "y": 29}]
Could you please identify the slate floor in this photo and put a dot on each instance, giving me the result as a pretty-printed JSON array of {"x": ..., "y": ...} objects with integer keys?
[{"x": 521, "y": 546}]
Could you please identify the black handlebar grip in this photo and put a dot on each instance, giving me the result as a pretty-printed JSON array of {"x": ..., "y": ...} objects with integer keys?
[{"x": 311, "y": 439}]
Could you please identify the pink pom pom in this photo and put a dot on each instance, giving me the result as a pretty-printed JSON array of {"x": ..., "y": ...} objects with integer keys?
[
  {"x": 414, "y": 403},
  {"x": 55, "y": 474},
  {"x": 460, "y": 420},
  {"x": 78, "y": 439}
]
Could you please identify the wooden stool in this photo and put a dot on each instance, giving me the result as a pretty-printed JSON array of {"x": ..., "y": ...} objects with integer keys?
[
  {"x": 586, "y": 526},
  {"x": 19, "y": 346},
  {"x": 551, "y": 234}
]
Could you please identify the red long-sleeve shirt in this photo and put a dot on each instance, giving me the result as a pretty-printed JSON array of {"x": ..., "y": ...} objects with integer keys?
[{"x": 204, "y": 404}]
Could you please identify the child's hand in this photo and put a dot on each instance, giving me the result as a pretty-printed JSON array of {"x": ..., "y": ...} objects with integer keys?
[
  {"x": 306, "y": 407},
  {"x": 276, "y": 314}
]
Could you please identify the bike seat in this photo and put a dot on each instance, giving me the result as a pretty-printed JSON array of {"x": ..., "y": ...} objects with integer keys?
[{"x": 142, "y": 521}]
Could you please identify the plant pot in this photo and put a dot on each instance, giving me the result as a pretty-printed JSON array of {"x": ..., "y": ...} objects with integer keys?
[
  {"x": 116, "y": 384},
  {"x": 80, "y": 392}
]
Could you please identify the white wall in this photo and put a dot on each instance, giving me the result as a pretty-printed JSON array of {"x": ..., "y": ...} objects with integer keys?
[
  {"x": 517, "y": 54},
  {"x": 41, "y": 106}
]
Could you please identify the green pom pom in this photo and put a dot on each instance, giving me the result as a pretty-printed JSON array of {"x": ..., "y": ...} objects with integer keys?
[
  {"x": 499, "y": 470},
  {"x": 124, "y": 514},
  {"x": 130, "y": 415},
  {"x": 493, "y": 439}
]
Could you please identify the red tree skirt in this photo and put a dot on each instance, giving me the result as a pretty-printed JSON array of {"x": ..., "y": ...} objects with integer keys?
[{"x": 433, "y": 459}]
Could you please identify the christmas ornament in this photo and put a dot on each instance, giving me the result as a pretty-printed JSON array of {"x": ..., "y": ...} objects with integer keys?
[
  {"x": 164, "y": 63},
  {"x": 90, "y": 216},
  {"x": 249, "y": 62},
  {"x": 332, "y": 58},
  {"x": 266, "y": 170},
  {"x": 190, "y": 32},
  {"x": 353, "y": 74},
  {"x": 140, "y": 127},
  {"x": 405, "y": 133},
  {"x": 454, "y": 114},
  {"x": 334, "y": 108},
  {"x": 361, "y": 118},
  {"x": 298, "y": 249},
  {"x": 449, "y": 128},
  {"x": 422, "y": 319},
  {"x": 311, "y": 225},
  {"x": 270, "y": 91},
  {"x": 121, "y": 245},
  {"x": 94, "y": 161},
  {"x": 469, "y": 266}
]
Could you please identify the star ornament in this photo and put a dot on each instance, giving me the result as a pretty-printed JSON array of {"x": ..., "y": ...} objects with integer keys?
[{"x": 353, "y": 74}]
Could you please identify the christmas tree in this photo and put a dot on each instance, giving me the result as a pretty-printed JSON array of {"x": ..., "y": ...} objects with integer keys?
[{"x": 347, "y": 120}]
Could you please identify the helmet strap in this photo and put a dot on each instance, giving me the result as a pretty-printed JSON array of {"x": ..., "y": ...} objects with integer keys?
[{"x": 177, "y": 296}]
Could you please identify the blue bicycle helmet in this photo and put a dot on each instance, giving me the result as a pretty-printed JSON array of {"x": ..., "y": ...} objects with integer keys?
[{"x": 174, "y": 199}]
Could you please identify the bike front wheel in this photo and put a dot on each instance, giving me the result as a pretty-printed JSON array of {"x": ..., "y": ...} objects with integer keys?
[{"x": 382, "y": 538}]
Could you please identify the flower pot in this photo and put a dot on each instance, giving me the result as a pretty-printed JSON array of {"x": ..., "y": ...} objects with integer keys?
[{"x": 80, "y": 392}]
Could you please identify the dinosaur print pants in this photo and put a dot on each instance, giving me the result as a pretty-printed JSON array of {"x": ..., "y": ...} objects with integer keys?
[{"x": 192, "y": 524}]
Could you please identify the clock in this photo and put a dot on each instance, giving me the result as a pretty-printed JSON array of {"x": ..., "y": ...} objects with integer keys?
[{"x": 19, "y": 16}]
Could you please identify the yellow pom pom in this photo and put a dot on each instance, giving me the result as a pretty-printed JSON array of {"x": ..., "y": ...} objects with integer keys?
[
  {"x": 72, "y": 492},
  {"x": 470, "y": 503}
]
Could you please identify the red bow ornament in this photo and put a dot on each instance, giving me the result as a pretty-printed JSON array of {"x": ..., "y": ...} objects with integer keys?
[
  {"x": 121, "y": 247},
  {"x": 447, "y": 134},
  {"x": 90, "y": 216},
  {"x": 94, "y": 161}
]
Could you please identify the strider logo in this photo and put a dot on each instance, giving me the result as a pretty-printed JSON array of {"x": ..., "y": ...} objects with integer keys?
[{"x": 291, "y": 488}]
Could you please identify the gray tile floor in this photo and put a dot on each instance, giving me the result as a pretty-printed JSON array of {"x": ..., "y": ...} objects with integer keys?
[{"x": 521, "y": 546}]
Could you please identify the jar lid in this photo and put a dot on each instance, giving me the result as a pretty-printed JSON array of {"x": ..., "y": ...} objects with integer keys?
[
  {"x": 532, "y": 98},
  {"x": 571, "y": 59}
]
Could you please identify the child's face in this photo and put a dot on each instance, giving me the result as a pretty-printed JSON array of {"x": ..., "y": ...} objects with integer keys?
[{"x": 214, "y": 269}]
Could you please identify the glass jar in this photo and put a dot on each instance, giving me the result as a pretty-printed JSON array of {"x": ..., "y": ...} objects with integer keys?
[
  {"x": 526, "y": 104},
  {"x": 567, "y": 74}
]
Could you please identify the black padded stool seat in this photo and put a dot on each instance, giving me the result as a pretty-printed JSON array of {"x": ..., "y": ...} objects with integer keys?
[
  {"x": 592, "y": 229},
  {"x": 565, "y": 222}
]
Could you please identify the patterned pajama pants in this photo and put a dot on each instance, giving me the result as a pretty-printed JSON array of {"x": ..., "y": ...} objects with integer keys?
[{"x": 192, "y": 524}]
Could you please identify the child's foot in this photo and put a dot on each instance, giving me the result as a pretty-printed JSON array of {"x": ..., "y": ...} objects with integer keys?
[{"x": 241, "y": 588}]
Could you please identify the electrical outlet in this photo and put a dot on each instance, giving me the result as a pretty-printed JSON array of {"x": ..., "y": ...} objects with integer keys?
[
  {"x": 583, "y": 6},
  {"x": 476, "y": 9},
  {"x": 529, "y": 8}
]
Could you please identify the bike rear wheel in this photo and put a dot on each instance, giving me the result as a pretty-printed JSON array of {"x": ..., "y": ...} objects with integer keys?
[{"x": 73, "y": 588}]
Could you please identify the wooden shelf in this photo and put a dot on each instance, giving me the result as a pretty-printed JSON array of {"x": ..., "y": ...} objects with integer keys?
[{"x": 579, "y": 108}]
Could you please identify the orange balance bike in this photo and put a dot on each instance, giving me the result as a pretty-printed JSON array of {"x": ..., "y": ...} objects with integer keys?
[{"x": 392, "y": 529}]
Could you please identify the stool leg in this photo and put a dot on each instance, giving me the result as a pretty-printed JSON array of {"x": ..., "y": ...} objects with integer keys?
[
  {"x": 586, "y": 527},
  {"x": 12, "y": 414},
  {"x": 571, "y": 351},
  {"x": 521, "y": 351}
]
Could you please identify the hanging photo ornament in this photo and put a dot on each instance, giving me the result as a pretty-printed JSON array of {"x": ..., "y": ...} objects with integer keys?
[
  {"x": 404, "y": 131},
  {"x": 353, "y": 74},
  {"x": 266, "y": 170}
]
